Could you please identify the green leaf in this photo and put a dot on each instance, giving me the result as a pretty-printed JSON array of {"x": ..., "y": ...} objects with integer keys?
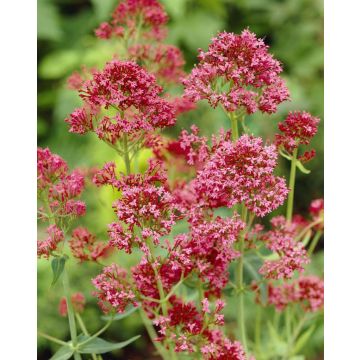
[
  {"x": 48, "y": 24},
  {"x": 101, "y": 346},
  {"x": 64, "y": 353},
  {"x": 279, "y": 345},
  {"x": 302, "y": 168},
  {"x": 255, "y": 275},
  {"x": 120, "y": 316},
  {"x": 57, "y": 266},
  {"x": 58, "y": 64},
  {"x": 303, "y": 339},
  {"x": 297, "y": 357}
]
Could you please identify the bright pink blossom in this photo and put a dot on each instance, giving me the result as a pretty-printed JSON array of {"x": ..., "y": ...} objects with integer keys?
[
  {"x": 242, "y": 172},
  {"x": 298, "y": 128},
  {"x": 129, "y": 13},
  {"x": 237, "y": 72},
  {"x": 114, "y": 291},
  {"x": 129, "y": 89},
  {"x": 291, "y": 254},
  {"x": 47, "y": 246}
]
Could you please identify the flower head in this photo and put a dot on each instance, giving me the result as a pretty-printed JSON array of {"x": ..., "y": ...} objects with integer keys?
[
  {"x": 47, "y": 246},
  {"x": 298, "y": 128},
  {"x": 133, "y": 92},
  {"x": 292, "y": 254},
  {"x": 127, "y": 16},
  {"x": 237, "y": 72},
  {"x": 242, "y": 172},
  {"x": 113, "y": 289}
]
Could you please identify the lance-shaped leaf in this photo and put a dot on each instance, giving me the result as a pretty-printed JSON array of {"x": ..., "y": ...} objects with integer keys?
[
  {"x": 101, "y": 346},
  {"x": 64, "y": 353},
  {"x": 57, "y": 266},
  {"x": 120, "y": 316}
]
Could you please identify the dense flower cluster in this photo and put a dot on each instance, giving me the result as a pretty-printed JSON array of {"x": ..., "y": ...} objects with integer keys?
[
  {"x": 127, "y": 16},
  {"x": 291, "y": 255},
  {"x": 47, "y": 246},
  {"x": 129, "y": 89},
  {"x": 298, "y": 128},
  {"x": 78, "y": 303},
  {"x": 188, "y": 327},
  {"x": 210, "y": 249},
  {"x": 308, "y": 291},
  {"x": 242, "y": 172},
  {"x": 113, "y": 289},
  {"x": 146, "y": 205},
  {"x": 58, "y": 188},
  {"x": 84, "y": 246},
  {"x": 237, "y": 72}
]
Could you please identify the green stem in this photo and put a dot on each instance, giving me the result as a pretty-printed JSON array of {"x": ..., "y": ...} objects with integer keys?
[
  {"x": 161, "y": 295},
  {"x": 234, "y": 126},
  {"x": 314, "y": 242},
  {"x": 84, "y": 330},
  {"x": 126, "y": 155},
  {"x": 152, "y": 334},
  {"x": 70, "y": 311},
  {"x": 97, "y": 333},
  {"x": 258, "y": 329},
  {"x": 288, "y": 323},
  {"x": 239, "y": 275},
  {"x": 290, "y": 204},
  {"x": 53, "y": 339},
  {"x": 294, "y": 336}
]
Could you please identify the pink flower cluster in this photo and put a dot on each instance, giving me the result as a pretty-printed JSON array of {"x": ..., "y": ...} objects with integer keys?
[
  {"x": 187, "y": 327},
  {"x": 166, "y": 62},
  {"x": 242, "y": 172},
  {"x": 60, "y": 189},
  {"x": 113, "y": 289},
  {"x": 47, "y": 246},
  {"x": 308, "y": 291},
  {"x": 129, "y": 89},
  {"x": 291, "y": 254},
  {"x": 209, "y": 248},
  {"x": 84, "y": 246},
  {"x": 239, "y": 73},
  {"x": 78, "y": 303},
  {"x": 127, "y": 16},
  {"x": 145, "y": 204},
  {"x": 298, "y": 128}
]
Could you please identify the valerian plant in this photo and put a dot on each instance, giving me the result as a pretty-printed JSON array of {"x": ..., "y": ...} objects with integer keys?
[{"x": 182, "y": 282}]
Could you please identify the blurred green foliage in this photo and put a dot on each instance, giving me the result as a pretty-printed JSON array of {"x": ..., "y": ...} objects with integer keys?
[{"x": 292, "y": 28}]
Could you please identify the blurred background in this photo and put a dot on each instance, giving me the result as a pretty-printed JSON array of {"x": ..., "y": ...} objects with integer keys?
[{"x": 292, "y": 28}]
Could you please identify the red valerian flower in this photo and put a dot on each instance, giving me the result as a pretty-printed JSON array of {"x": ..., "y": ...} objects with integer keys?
[
  {"x": 145, "y": 204},
  {"x": 242, "y": 172},
  {"x": 50, "y": 168},
  {"x": 84, "y": 246},
  {"x": 47, "y": 246},
  {"x": 114, "y": 291},
  {"x": 127, "y": 16},
  {"x": 221, "y": 348},
  {"x": 129, "y": 89},
  {"x": 78, "y": 303},
  {"x": 209, "y": 247},
  {"x": 58, "y": 187},
  {"x": 166, "y": 62},
  {"x": 298, "y": 128},
  {"x": 308, "y": 291},
  {"x": 237, "y": 72},
  {"x": 292, "y": 254},
  {"x": 316, "y": 207}
]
